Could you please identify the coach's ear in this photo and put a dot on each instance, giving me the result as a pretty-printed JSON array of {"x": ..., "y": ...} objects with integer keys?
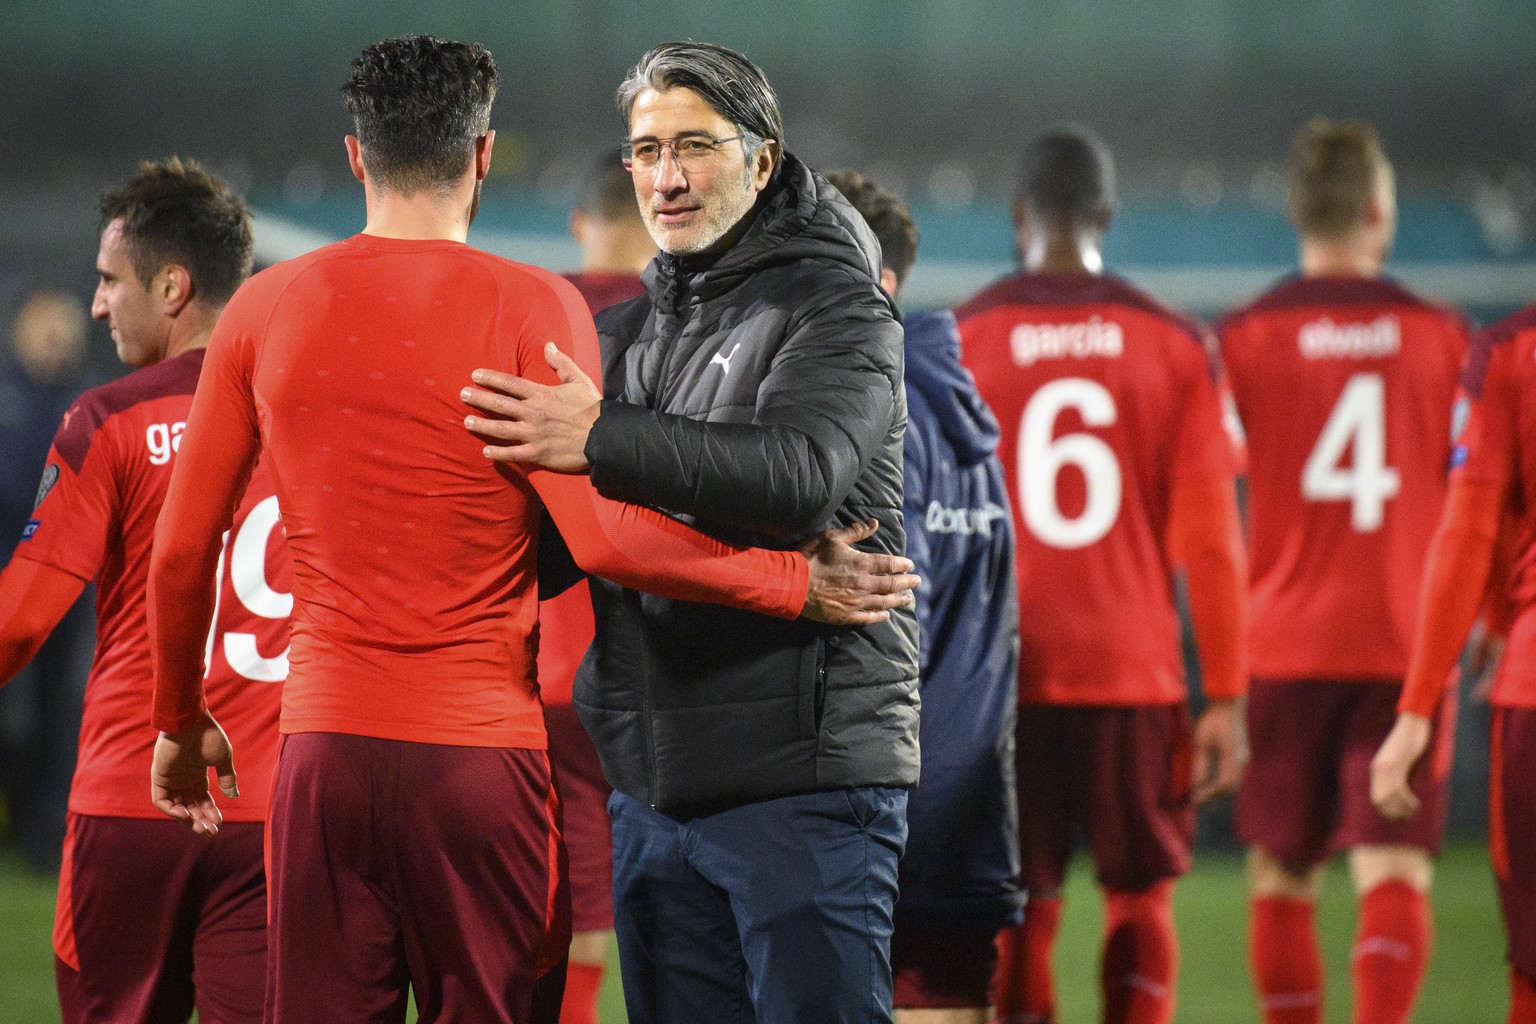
[{"x": 355, "y": 158}]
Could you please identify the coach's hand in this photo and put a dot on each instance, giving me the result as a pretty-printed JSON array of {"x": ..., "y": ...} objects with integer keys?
[
  {"x": 540, "y": 424},
  {"x": 1220, "y": 749},
  {"x": 1399, "y": 752},
  {"x": 850, "y": 587},
  {"x": 178, "y": 778}
]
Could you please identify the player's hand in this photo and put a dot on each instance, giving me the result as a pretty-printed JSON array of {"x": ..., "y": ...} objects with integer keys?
[
  {"x": 1485, "y": 649},
  {"x": 850, "y": 587},
  {"x": 1399, "y": 752},
  {"x": 540, "y": 424},
  {"x": 1220, "y": 749},
  {"x": 178, "y": 777}
]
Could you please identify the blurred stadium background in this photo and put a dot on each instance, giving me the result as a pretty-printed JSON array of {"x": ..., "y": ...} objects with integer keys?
[{"x": 1197, "y": 98}]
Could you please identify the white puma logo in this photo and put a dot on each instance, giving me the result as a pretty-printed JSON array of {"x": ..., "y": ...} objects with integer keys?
[{"x": 725, "y": 361}]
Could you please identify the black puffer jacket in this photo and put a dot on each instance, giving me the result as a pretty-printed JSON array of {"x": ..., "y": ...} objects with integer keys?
[{"x": 756, "y": 395}]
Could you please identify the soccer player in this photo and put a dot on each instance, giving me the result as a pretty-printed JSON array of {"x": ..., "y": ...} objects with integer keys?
[
  {"x": 615, "y": 248},
  {"x": 760, "y": 768},
  {"x": 1121, "y": 473},
  {"x": 1344, "y": 384},
  {"x": 152, "y": 921},
  {"x": 412, "y": 836},
  {"x": 959, "y": 877},
  {"x": 1491, "y": 497}
]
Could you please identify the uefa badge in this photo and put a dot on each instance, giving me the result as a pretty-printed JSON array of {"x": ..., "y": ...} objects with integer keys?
[{"x": 50, "y": 477}]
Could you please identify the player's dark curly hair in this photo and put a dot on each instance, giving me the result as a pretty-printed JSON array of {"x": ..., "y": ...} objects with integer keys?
[
  {"x": 887, "y": 216},
  {"x": 1067, "y": 175},
  {"x": 418, "y": 103},
  {"x": 1337, "y": 171},
  {"x": 174, "y": 212}
]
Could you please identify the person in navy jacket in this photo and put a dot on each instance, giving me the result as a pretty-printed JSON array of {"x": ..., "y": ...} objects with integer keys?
[{"x": 959, "y": 878}]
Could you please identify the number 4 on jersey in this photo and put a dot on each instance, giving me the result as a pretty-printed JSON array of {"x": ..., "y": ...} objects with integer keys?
[{"x": 1358, "y": 421}]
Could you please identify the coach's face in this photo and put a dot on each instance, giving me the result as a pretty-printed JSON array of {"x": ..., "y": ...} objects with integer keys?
[
  {"x": 139, "y": 330},
  {"x": 693, "y": 208}
]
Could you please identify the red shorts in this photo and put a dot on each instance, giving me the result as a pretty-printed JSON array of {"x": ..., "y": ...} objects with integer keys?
[
  {"x": 1512, "y": 829},
  {"x": 584, "y": 822},
  {"x": 1125, "y": 772},
  {"x": 942, "y": 968},
  {"x": 153, "y": 921},
  {"x": 1307, "y": 791},
  {"x": 395, "y": 863}
]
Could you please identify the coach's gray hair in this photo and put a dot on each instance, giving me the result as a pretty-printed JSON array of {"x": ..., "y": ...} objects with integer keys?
[{"x": 733, "y": 86}]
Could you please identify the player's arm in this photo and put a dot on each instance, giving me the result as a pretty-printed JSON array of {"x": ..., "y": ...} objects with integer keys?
[
  {"x": 1455, "y": 577},
  {"x": 33, "y": 599},
  {"x": 1205, "y": 538},
  {"x": 827, "y": 579},
  {"x": 213, "y": 467},
  {"x": 77, "y": 514}
]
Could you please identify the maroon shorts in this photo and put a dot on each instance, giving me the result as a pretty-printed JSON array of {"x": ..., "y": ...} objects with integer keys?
[
  {"x": 395, "y": 863},
  {"x": 153, "y": 921},
  {"x": 1125, "y": 772},
  {"x": 584, "y": 806},
  {"x": 942, "y": 968},
  {"x": 1307, "y": 791},
  {"x": 1512, "y": 829}
]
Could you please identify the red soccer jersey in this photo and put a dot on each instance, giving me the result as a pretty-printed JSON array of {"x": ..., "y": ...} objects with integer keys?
[
  {"x": 105, "y": 481},
  {"x": 1106, "y": 401},
  {"x": 1344, "y": 387},
  {"x": 565, "y": 621},
  {"x": 1497, "y": 446},
  {"x": 414, "y": 587}
]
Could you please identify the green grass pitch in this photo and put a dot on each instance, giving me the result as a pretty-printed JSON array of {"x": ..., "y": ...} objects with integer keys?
[{"x": 1467, "y": 980}]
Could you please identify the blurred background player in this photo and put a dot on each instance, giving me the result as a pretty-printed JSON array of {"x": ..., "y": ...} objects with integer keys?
[
  {"x": 1493, "y": 484},
  {"x": 615, "y": 245},
  {"x": 153, "y": 921},
  {"x": 413, "y": 829},
  {"x": 40, "y": 376},
  {"x": 1344, "y": 384},
  {"x": 959, "y": 876},
  {"x": 615, "y": 248},
  {"x": 1122, "y": 473}
]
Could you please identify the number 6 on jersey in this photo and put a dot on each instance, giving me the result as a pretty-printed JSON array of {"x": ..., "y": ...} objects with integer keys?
[
  {"x": 1358, "y": 421},
  {"x": 1042, "y": 456}
]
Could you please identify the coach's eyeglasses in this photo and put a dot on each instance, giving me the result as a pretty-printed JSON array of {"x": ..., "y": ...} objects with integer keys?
[{"x": 692, "y": 152}]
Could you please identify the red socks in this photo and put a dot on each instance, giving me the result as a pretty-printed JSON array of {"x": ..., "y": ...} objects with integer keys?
[
  {"x": 582, "y": 982},
  {"x": 1522, "y": 999},
  {"x": 1141, "y": 956},
  {"x": 1287, "y": 963},
  {"x": 1391, "y": 952},
  {"x": 1025, "y": 993}
]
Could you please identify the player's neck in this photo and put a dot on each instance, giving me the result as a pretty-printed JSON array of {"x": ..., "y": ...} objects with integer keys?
[
  {"x": 615, "y": 248},
  {"x": 1350, "y": 256},
  {"x": 1053, "y": 252},
  {"x": 420, "y": 215},
  {"x": 191, "y": 330}
]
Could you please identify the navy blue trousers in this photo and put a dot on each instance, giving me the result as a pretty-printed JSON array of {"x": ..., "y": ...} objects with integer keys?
[{"x": 775, "y": 912}]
